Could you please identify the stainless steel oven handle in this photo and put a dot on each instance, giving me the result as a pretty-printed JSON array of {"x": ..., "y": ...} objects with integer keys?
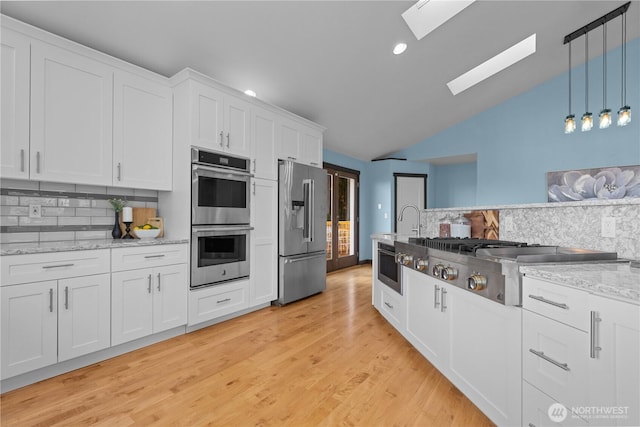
[
  {"x": 385, "y": 252},
  {"x": 199, "y": 167},
  {"x": 292, "y": 260},
  {"x": 222, "y": 228}
]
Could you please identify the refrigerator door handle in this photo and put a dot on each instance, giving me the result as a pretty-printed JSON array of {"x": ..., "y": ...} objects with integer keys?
[
  {"x": 312, "y": 211},
  {"x": 308, "y": 208}
]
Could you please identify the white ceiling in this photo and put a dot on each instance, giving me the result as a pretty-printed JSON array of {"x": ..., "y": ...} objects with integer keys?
[{"x": 331, "y": 61}]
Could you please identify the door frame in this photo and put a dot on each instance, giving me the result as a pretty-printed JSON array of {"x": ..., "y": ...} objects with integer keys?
[
  {"x": 336, "y": 263},
  {"x": 395, "y": 193}
]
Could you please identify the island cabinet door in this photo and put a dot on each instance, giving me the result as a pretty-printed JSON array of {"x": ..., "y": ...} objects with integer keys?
[
  {"x": 29, "y": 327},
  {"x": 614, "y": 362},
  {"x": 427, "y": 319},
  {"x": 485, "y": 354}
]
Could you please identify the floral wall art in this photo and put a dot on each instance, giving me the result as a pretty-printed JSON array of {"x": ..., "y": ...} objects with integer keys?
[{"x": 598, "y": 183}]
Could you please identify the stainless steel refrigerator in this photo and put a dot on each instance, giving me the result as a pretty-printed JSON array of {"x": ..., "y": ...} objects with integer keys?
[{"x": 302, "y": 202}]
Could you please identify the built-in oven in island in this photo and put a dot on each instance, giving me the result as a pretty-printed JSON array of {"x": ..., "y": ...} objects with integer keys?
[
  {"x": 219, "y": 188},
  {"x": 388, "y": 268},
  {"x": 219, "y": 253}
]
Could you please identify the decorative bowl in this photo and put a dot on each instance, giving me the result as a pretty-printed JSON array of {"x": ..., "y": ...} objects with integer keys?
[{"x": 147, "y": 234}]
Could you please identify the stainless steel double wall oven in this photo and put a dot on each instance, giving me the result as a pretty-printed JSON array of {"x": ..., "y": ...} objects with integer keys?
[{"x": 220, "y": 215}]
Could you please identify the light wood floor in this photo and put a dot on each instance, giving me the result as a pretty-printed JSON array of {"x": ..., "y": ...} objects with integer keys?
[{"x": 328, "y": 360}]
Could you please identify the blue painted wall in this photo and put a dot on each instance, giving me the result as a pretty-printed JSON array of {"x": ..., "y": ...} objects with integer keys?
[{"x": 517, "y": 143}]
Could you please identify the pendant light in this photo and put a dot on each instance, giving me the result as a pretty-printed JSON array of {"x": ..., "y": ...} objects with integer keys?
[
  {"x": 570, "y": 120},
  {"x": 624, "y": 113},
  {"x": 587, "y": 117},
  {"x": 605, "y": 113}
]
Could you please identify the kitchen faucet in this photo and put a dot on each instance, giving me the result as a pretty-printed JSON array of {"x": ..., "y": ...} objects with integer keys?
[{"x": 417, "y": 230}]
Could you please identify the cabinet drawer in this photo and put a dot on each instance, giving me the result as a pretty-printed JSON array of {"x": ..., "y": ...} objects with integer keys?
[
  {"x": 217, "y": 301},
  {"x": 535, "y": 411},
  {"x": 392, "y": 307},
  {"x": 561, "y": 303},
  {"x": 555, "y": 359},
  {"x": 51, "y": 266},
  {"x": 148, "y": 256}
]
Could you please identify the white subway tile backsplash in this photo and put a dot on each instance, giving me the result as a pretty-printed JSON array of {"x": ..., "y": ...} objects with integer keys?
[
  {"x": 91, "y": 212},
  {"x": 9, "y": 200},
  {"x": 75, "y": 203},
  {"x": 102, "y": 220},
  {"x": 8, "y": 221},
  {"x": 92, "y": 235},
  {"x": 26, "y": 221},
  {"x": 104, "y": 204},
  {"x": 19, "y": 237},
  {"x": 48, "y": 211},
  {"x": 14, "y": 210},
  {"x": 54, "y": 236},
  {"x": 74, "y": 220},
  {"x": 42, "y": 201}
]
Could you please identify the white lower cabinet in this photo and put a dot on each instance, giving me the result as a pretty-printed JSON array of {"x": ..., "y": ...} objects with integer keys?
[
  {"x": 216, "y": 301},
  {"x": 582, "y": 351},
  {"x": 147, "y": 301},
  {"x": 48, "y": 322},
  {"x": 392, "y": 307},
  {"x": 538, "y": 409}
]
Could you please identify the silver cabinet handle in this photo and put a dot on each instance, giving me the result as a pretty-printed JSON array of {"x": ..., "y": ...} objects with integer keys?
[
  {"x": 254, "y": 165},
  {"x": 22, "y": 160},
  {"x": 541, "y": 355},
  {"x": 388, "y": 305},
  {"x": 594, "y": 348},
  {"x": 37, "y": 162},
  {"x": 292, "y": 158},
  {"x": 51, "y": 300},
  {"x": 436, "y": 301},
  {"x": 223, "y": 300},
  {"x": 58, "y": 266},
  {"x": 154, "y": 256},
  {"x": 548, "y": 301},
  {"x": 158, "y": 282},
  {"x": 314, "y": 163},
  {"x": 221, "y": 137},
  {"x": 254, "y": 188},
  {"x": 66, "y": 298},
  {"x": 149, "y": 287},
  {"x": 228, "y": 139},
  {"x": 443, "y": 306},
  {"x": 119, "y": 170}
]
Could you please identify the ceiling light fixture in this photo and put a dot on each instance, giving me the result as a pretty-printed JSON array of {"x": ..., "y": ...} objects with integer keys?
[
  {"x": 250, "y": 93},
  {"x": 427, "y": 15},
  {"x": 587, "y": 117},
  {"x": 570, "y": 120},
  {"x": 605, "y": 113},
  {"x": 494, "y": 65},
  {"x": 399, "y": 48},
  {"x": 624, "y": 113}
]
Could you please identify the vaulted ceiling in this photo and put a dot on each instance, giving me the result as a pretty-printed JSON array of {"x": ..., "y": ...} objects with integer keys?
[{"x": 331, "y": 61}]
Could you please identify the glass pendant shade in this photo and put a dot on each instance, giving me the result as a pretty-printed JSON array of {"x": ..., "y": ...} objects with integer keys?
[
  {"x": 624, "y": 116},
  {"x": 605, "y": 118},
  {"x": 570, "y": 124},
  {"x": 587, "y": 122}
]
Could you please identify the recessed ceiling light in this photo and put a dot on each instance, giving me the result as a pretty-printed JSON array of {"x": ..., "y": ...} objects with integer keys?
[
  {"x": 250, "y": 93},
  {"x": 399, "y": 48},
  {"x": 427, "y": 15},
  {"x": 494, "y": 65}
]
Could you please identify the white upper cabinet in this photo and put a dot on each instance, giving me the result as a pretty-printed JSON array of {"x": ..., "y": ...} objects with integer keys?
[
  {"x": 142, "y": 133},
  {"x": 265, "y": 135},
  {"x": 14, "y": 157},
  {"x": 220, "y": 121},
  {"x": 300, "y": 143},
  {"x": 71, "y": 117}
]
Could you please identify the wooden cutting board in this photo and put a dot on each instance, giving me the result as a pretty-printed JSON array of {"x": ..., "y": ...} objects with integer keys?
[
  {"x": 140, "y": 217},
  {"x": 484, "y": 224}
]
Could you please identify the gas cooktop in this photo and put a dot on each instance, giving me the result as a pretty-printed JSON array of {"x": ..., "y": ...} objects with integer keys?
[{"x": 462, "y": 246}]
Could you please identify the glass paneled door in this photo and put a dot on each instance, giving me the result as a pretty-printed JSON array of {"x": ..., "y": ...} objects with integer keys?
[{"x": 342, "y": 217}]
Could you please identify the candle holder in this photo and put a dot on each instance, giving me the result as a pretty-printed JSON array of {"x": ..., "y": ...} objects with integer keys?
[{"x": 128, "y": 231}]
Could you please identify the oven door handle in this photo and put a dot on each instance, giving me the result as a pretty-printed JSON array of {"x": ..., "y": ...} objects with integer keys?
[
  {"x": 223, "y": 228},
  {"x": 382, "y": 251},
  {"x": 198, "y": 167}
]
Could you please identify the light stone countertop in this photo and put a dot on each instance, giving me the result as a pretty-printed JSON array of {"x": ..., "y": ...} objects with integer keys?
[
  {"x": 80, "y": 245},
  {"x": 617, "y": 281},
  {"x": 390, "y": 238}
]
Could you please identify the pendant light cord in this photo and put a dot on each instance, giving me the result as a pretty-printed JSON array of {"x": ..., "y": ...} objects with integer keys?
[
  {"x": 570, "y": 78},
  {"x": 623, "y": 86},
  {"x": 604, "y": 66},
  {"x": 586, "y": 72}
]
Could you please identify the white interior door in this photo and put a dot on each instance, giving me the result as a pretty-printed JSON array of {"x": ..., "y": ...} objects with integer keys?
[{"x": 410, "y": 190}]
